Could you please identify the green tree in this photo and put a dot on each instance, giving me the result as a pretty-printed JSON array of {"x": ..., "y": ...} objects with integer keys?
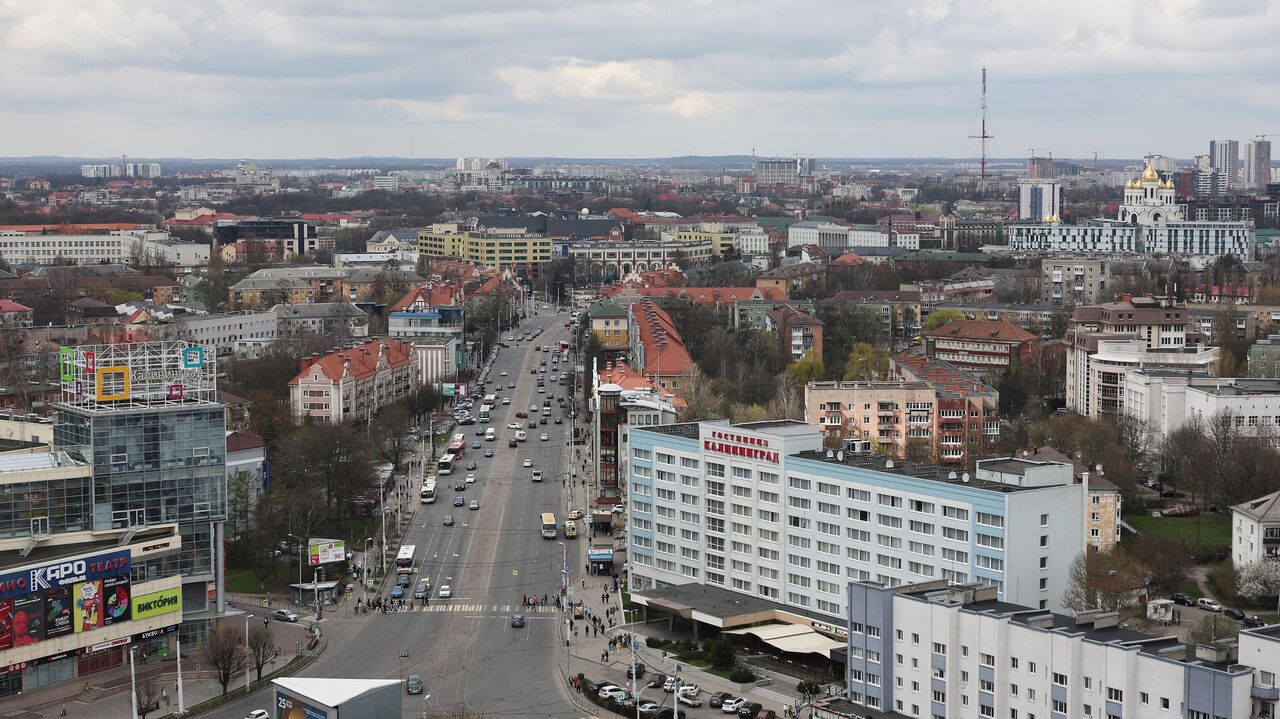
[
  {"x": 866, "y": 363},
  {"x": 808, "y": 368},
  {"x": 940, "y": 318},
  {"x": 720, "y": 653}
]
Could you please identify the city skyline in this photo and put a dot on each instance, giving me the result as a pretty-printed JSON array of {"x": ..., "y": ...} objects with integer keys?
[{"x": 288, "y": 80}]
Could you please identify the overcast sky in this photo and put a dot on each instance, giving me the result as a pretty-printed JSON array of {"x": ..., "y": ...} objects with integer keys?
[{"x": 324, "y": 78}]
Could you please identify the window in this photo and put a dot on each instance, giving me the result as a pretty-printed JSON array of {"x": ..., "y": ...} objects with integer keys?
[
  {"x": 664, "y": 458},
  {"x": 688, "y": 463},
  {"x": 830, "y": 489},
  {"x": 741, "y": 473},
  {"x": 958, "y": 535},
  {"x": 889, "y": 541},
  {"x": 1144, "y": 698},
  {"x": 744, "y": 492},
  {"x": 955, "y": 512},
  {"x": 1031, "y": 668},
  {"x": 991, "y": 520},
  {"x": 921, "y": 506},
  {"x": 767, "y": 478},
  {"x": 859, "y": 495},
  {"x": 770, "y": 497},
  {"x": 1059, "y": 706},
  {"x": 1164, "y": 702},
  {"x": 954, "y": 555},
  {"x": 798, "y": 502},
  {"x": 988, "y": 540},
  {"x": 888, "y": 520},
  {"x": 1044, "y": 520},
  {"x": 1115, "y": 695},
  {"x": 641, "y": 453},
  {"x": 939, "y": 648},
  {"x": 987, "y": 660},
  {"x": 798, "y": 483},
  {"x": 983, "y": 562},
  {"x": 1060, "y": 679},
  {"x": 920, "y": 527},
  {"x": 829, "y": 508},
  {"x": 889, "y": 500},
  {"x": 1013, "y": 662},
  {"x": 986, "y": 686},
  {"x": 715, "y": 470},
  {"x": 921, "y": 548}
]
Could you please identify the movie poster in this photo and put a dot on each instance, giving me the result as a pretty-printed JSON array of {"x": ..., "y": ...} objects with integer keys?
[
  {"x": 6, "y": 623},
  {"x": 57, "y": 612},
  {"x": 115, "y": 599},
  {"x": 87, "y": 605},
  {"x": 28, "y": 620}
]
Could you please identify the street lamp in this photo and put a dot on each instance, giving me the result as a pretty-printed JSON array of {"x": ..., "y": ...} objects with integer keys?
[
  {"x": 564, "y": 603},
  {"x": 248, "y": 654},
  {"x": 300, "y": 546}
]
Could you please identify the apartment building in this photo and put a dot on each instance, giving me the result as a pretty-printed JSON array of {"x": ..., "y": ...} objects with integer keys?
[
  {"x": 623, "y": 399},
  {"x": 1106, "y": 505},
  {"x": 759, "y": 511},
  {"x": 1036, "y": 319},
  {"x": 220, "y": 331},
  {"x": 1084, "y": 280},
  {"x": 21, "y": 247},
  {"x": 900, "y": 311},
  {"x": 610, "y": 326},
  {"x": 1255, "y": 530},
  {"x": 510, "y": 247},
  {"x": 353, "y": 383},
  {"x": 799, "y": 333},
  {"x": 259, "y": 294},
  {"x": 657, "y": 349},
  {"x": 959, "y": 651},
  {"x": 986, "y": 349},
  {"x": 931, "y": 411},
  {"x": 1108, "y": 340},
  {"x": 722, "y": 242},
  {"x": 338, "y": 318},
  {"x": 619, "y": 258},
  {"x": 1166, "y": 400}
]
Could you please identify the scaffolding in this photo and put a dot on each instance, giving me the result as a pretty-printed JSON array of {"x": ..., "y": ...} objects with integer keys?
[{"x": 127, "y": 376}]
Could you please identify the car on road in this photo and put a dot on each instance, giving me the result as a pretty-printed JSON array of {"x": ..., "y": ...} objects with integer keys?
[
  {"x": 413, "y": 684},
  {"x": 732, "y": 705},
  {"x": 479, "y": 431},
  {"x": 542, "y": 421},
  {"x": 639, "y": 670},
  {"x": 1253, "y": 623},
  {"x": 284, "y": 615},
  {"x": 466, "y": 420},
  {"x": 657, "y": 680},
  {"x": 471, "y": 479},
  {"x": 471, "y": 464},
  {"x": 1235, "y": 614},
  {"x": 533, "y": 408},
  {"x": 517, "y": 620},
  {"x": 512, "y": 443},
  {"x": 669, "y": 713},
  {"x": 1209, "y": 605},
  {"x": 475, "y": 504},
  {"x": 533, "y": 424},
  {"x": 718, "y": 699},
  {"x": 648, "y": 708},
  {"x": 258, "y": 714},
  {"x": 503, "y": 373},
  {"x": 397, "y": 592},
  {"x": 690, "y": 690},
  {"x": 475, "y": 444},
  {"x": 403, "y": 580},
  {"x": 527, "y": 463},
  {"x": 459, "y": 501},
  {"x": 521, "y": 415},
  {"x": 559, "y": 420},
  {"x": 445, "y": 591},
  {"x": 747, "y": 711},
  {"x": 511, "y": 339},
  {"x": 670, "y": 684},
  {"x": 448, "y": 520},
  {"x": 612, "y": 692},
  {"x": 511, "y": 385},
  {"x": 689, "y": 700},
  {"x": 544, "y": 437},
  {"x": 488, "y": 452},
  {"x": 1184, "y": 599},
  {"x": 514, "y": 425},
  {"x": 576, "y": 514},
  {"x": 459, "y": 486},
  {"x": 537, "y": 475},
  {"x": 423, "y": 589},
  {"x": 542, "y": 389},
  {"x": 506, "y": 400}
]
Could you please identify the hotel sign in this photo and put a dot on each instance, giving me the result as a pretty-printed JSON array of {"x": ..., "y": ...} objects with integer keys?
[{"x": 740, "y": 445}]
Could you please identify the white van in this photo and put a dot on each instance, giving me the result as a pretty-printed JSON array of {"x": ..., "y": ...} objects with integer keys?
[
  {"x": 490, "y": 435},
  {"x": 537, "y": 475},
  {"x": 520, "y": 435}
]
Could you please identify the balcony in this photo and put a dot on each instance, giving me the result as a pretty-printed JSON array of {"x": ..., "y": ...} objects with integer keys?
[{"x": 1265, "y": 693}]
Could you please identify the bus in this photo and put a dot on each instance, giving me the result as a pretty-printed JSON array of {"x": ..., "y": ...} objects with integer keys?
[
  {"x": 490, "y": 399},
  {"x": 549, "y": 528},
  {"x": 457, "y": 447},
  {"x": 486, "y": 411},
  {"x": 404, "y": 560},
  {"x": 429, "y": 490},
  {"x": 564, "y": 346},
  {"x": 445, "y": 465}
]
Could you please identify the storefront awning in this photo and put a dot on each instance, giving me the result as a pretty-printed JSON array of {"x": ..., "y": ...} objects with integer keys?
[
  {"x": 772, "y": 631},
  {"x": 794, "y": 638}
]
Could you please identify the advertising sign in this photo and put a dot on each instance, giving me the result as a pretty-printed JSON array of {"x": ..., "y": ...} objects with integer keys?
[
  {"x": 157, "y": 603},
  {"x": 288, "y": 707},
  {"x": 64, "y": 573},
  {"x": 87, "y": 610},
  {"x": 115, "y": 600},
  {"x": 57, "y": 612},
  {"x": 28, "y": 620},
  {"x": 324, "y": 551},
  {"x": 6, "y": 623}
]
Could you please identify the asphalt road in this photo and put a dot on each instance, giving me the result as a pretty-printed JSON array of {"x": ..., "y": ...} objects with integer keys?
[{"x": 464, "y": 647}]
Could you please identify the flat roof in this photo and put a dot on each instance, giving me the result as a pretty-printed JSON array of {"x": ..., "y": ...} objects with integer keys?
[
  {"x": 877, "y": 463},
  {"x": 724, "y": 604},
  {"x": 50, "y": 552},
  {"x": 332, "y": 691}
]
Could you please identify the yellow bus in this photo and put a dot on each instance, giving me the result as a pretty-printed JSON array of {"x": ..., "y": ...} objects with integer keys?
[{"x": 549, "y": 527}]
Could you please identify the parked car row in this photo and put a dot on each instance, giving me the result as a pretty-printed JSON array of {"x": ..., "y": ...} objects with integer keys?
[{"x": 1210, "y": 604}]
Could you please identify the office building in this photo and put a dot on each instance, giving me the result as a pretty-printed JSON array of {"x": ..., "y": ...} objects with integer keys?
[
  {"x": 762, "y": 511},
  {"x": 1257, "y": 165},
  {"x": 1163, "y": 164},
  {"x": 982, "y": 348},
  {"x": 144, "y": 170},
  {"x": 293, "y": 237},
  {"x": 36, "y": 247},
  {"x": 1039, "y": 201},
  {"x": 943, "y": 650},
  {"x": 1255, "y": 530},
  {"x": 1108, "y": 340},
  {"x": 1224, "y": 156},
  {"x": 508, "y": 248},
  {"x": 782, "y": 170},
  {"x": 146, "y": 419},
  {"x": 351, "y": 384}
]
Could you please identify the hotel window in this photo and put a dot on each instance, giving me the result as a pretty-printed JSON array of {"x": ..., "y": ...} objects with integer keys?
[
  {"x": 955, "y": 512},
  {"x": 991, "y": 520},
  {"x": 799, "y": 483},
  {"x": 859, "y": 495},
  {"x": 767, "y": 478},
  {"x": 715, "y": 470},
  {"x": 889, "y": 500}
]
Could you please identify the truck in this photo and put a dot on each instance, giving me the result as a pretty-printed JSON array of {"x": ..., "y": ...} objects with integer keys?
[{"x": 520, "y": 435}]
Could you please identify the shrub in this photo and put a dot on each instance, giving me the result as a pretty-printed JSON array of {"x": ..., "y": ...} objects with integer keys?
[
  {"x": 655, "y": 642},
  {"x": 741, "y": 676}
]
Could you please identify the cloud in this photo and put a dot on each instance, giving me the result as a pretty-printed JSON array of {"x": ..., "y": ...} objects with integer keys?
[
  {"x": 577, "y": 79},
  {"x": 453, "y": 109},
  {"x": 694, "y": 106}
]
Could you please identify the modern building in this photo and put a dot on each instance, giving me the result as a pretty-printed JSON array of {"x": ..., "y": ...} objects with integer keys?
[
  {"x": 145, "y": 170},
  {"x": 1039, "y": 201},
  {"x": 799, "y": 333},
  {"x": 1107, "y": 341},
  {"x": 1150, "y": 220},
  {"x": 1257, "y": 165},
  {"x": 657, "y": 349},
  {"x": 1224, "y": 157},
  {"x": 931, "y": 411},
  {"x": 944, "y": 649},
  {"x": 1165, "y": 400},
  {"x": 20, "y": 247},
  {"x": 294, "y": 237},
  {"x": 781, "y": 170},
  {"x": 219, "y": 331},
  {"x": 1255, "y": 530},
  {"x": 352, "y": 383},
  {"x": 510, "y": 248},
  {"x": 146, "y": 419},
  {"x": 762, "y": 511},
  {"x": 611, "y": 326},
  {"x": 986, "y": 349}
]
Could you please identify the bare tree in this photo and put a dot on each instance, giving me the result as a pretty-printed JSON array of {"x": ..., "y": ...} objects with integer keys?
[
  {"x": 1212, "y": 628},
  {"x": 225, "y": 653},
  {"x": 1102, "y": 580},
  {"x": 389, "y": 431},
  {"x": 148, "y": 696},
  {"x": 262, "y": 648}
]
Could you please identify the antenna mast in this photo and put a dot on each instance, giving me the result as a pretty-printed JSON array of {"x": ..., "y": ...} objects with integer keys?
[{"x": 982, "y": 186}]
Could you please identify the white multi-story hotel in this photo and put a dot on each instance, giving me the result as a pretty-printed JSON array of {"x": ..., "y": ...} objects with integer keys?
[
  {"x": 760, "y": 510},
  {"x": 1149, "y": 221},
  {"x": 957, "y": 652}
]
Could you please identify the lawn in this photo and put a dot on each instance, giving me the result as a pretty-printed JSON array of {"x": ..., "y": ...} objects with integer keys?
[{"x": 1215, "y": 530}]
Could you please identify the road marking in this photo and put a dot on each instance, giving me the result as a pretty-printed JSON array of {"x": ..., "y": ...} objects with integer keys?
[{"x": 775, "y": 696}]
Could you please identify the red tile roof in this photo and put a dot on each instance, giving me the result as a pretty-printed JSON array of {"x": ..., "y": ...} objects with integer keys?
[
  {"x": 7, "y": 306},
  {"x": 363, "y": 359},
  {"x": 664, "y": 350},
  {"x": 84, "y": 228},
  {"x": 430, "y": 294},
  {"x": 238, "y": 441},
  {"x": 849, "y": 258},
  {"x": 982, "y": 330}
]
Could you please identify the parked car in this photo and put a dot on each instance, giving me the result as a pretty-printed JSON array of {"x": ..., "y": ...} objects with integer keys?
[
  {"x": 413, "y": 684},
  {"x": 284, "y": 615},
  {"x": 767, "y": 714},
  {"x": 258, "y": 714},
  {"x": 718, "y": 699},
  {"x": 657, "y": 680},
  {"x": 1184, "y": 599},
  {"x": 595, "y": 687},
  {"x": 648, "y": 708},
  {"x": 747, "y": 711},
  {"x": 689, "y": 700},
  {"x": 1209, "y": 605},
  {"x": 1253, "y": 623},
  {"x": 614, "y": 693},
  {"x": 670, "y": 684},
  {"x": 1235, "y": 614},
  {"x": 669, "y": 713},
  {"x": 639, "y": 671},
  {"x": 690, "y": 690}
]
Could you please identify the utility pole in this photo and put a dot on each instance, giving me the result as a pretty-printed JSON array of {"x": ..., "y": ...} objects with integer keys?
[{"x": 984, "y": 136}]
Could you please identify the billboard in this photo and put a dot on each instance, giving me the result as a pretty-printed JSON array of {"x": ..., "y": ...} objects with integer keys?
[
  {"x": 28, "y": 620},
  {"x": 142, "y": 372},
  {"x": 324, "y": 551},
  {"x": 288, "y": 707},
  {"x": 64, "y": 573},
  {"x": 87, "y": 611},
  {"x": 6, "y": 623},
  {"x": 115, "y": 600},
  {"x": 57, "y": 612},
  {"x": 157, "y": 603}
]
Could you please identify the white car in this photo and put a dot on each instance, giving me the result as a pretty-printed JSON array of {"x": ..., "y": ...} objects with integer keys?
[
  {"x": 506, "y": 400},
  {"x": 544, "y": 437},
  {"x": 611, "y": 692},
  {"x": 733, "y": 705},
  {"x": 533, "y": 408},
  {"x": 537, "y": 475},
  {"x": 285, "y": 615},
  {"x": 445, "y": 591},
  {"x": 514, "y": 425},
  {"x": 511, "y": 339},
  {"x": 471, "y": 479},
  {"x": 258, "y": 714},
  {"x": 689, "y": 700},
  {"x": 542, "y": 389},
  {"x": 528, "y": 463},
  {"x": 670, "y": 684},
  {"x": 503, "y": 373},
  {"x": 1208, "y": 604},
  {"x": 690, "y": 690}
]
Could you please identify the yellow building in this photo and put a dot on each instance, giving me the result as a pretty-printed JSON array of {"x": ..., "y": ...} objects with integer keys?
[
  {"x": 722, "y": 243},
  {"x": 610, "y": 326},
  {"x": 495, "y": 248}
]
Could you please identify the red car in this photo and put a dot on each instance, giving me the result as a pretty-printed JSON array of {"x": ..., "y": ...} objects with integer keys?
[{"x": 522, "y": 415}]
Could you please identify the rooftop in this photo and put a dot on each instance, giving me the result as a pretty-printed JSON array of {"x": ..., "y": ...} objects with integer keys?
[
  {"x": 945, "y": 378},
  {"x": 981, "y": 330},
  {"x": 332, "y": 691},
  {"x": 878, "y": 463},
  {"x": 1263, "y": 509}
]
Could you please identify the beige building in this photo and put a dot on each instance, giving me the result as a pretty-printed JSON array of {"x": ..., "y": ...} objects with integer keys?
[
  {"x": 506, "y": 247},
  {"x": 1084, "y": 280},
  {"x": 1102, "y": 513},
  {"x": 354, "y": 382}
]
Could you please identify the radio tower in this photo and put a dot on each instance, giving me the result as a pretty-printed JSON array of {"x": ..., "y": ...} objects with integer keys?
[{"x": 982, "y": 186}]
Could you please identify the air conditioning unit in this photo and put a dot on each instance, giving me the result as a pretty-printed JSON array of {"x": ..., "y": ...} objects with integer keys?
[{"x": 857, "y": 446}]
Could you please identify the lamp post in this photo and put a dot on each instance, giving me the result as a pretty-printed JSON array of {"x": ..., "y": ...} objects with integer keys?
[
  {"x": 564, "y": 603},
  {"x": 364, "y": 563},
  {"x": 300, "y": 546},
  {"x": 133, "y": 686},
  {"x": 248, "y": 654}
]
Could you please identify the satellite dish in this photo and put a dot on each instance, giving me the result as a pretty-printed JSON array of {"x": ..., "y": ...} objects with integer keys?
[
  {"x": 965, "y": 478},
  {"x": 1025, "y": 454},
  {"x": 830, "y": 454},
  {"x": 1098, "y": 467},
  {"x": 951, "y": 475},
  {"x": 888, "y": 464},
  {"x": 840, "y": 455}
]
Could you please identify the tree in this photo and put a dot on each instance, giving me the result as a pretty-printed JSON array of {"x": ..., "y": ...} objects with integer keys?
[
  {"x": 701, "y": 401},
  {"x": 940, "y": 318},
  {"x": 807, "y": 369},
  {"x": 720, "y": 653},
  {"x": 148, "y": 696},
  {"x": 1259, "y": 579},
  {"x": 866, "y": 363},
  {"x": 1212, "y": 628},
  {"x": 224, "y": 652},
  {"x": 808, "y": 689},
  {"x": 1102, "y": 580},
  {"x": 262, "y": 648},
  {"x": 390, "y": 433}
]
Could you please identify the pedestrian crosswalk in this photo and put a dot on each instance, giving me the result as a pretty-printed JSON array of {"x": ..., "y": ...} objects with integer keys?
[{"x": 486, "y": 608}]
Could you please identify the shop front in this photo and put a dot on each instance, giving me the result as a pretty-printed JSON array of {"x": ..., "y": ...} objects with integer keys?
[{"x": 600, "y": 560}]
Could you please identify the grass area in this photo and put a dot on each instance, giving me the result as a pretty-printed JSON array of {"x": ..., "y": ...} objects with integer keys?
[
  {"x": 1215, "y": 530},
  {"x": 242, "y": 580}
]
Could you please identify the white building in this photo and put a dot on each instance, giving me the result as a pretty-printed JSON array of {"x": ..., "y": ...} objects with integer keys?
[
  {"x": 781, "y": 170},
  {"x": 1096, "y": 370},
  {"x": 760, "y": 510},
  {"x": 1224, "y": 156},
  {"x": 1039, "y": 201},
  {"x": 1165, "y": 400},
  {"x": 121, "y": 169},
  {"x": 832, "y": 236},
  {"x": 120, "y": 246},
  {"x": 221, "y": 331},
  {"x": 939, "y": 650},
  {"x": 753, "y": 242},
  {"x": 822, "y": 234},
  {"x": 1255, "y": 530},
  {"x": 437, "y": 356},
  {"x": 391, "y": 183}
]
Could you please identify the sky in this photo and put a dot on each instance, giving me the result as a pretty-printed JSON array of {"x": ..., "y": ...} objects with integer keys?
[{"x": 446, "y": 78}]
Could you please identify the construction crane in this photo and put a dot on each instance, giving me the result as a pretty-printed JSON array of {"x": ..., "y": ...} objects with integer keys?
[{"x": 1265, "y": 135}]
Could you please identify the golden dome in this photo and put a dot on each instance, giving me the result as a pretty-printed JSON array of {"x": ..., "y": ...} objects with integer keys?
[
  {"x": 1128, "y": 184},
  {"x": 1168, "y": 184},
  {"x": 1150, "y": 175}
]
